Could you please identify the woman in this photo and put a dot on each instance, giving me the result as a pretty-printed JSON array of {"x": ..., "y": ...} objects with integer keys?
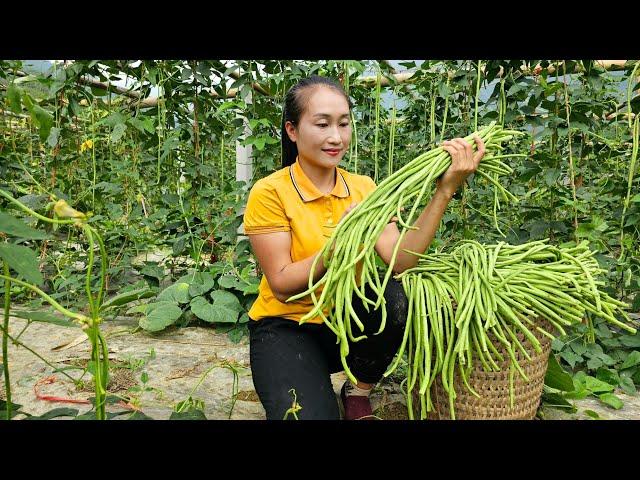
[{"x": 290, "y": 214}]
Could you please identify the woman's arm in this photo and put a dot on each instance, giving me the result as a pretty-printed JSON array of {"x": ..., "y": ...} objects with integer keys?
[
  {"x": 463, "y": 163},
  {"x": 286, "y": 277}
]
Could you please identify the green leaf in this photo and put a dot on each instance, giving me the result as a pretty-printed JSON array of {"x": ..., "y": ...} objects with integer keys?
[
  {"x": 225, "y": 106},
  {"x": 592, "y": 414},
  {"x": 138, "y": 416},
  {"x": 537, "y": 229},
  {"x": 594, "y": 350},
  {"x": 594, "y": 363},
  {"x": 99, "y": 92},
  {"x": 23, "y": 260},
  {"x": 191, "y": 414},
  {"x": 118, "y": 132},
  {"x": 179, "y": 245},
  {"x": 113, "y": 119},
  {"x": 112, "y": 415},
  {"x": 138, "y": 309},
  {"x": 109, "y": 399},
  {"x": 570, "y": 357},
  {"x": 236, "y": 334},
  {"x": 15, "y": 409},
  {"x": 606, "y": 359},
  {"x": 244, "y": 318},
  {"x": 176, "y": 293},
  {"x": 229, "y": 281},
  {"x": 611, "y": 400},
  {"x": 160, "y": 315},
  {"x": 200, "y": 283},
  {"x": 55, "y": 413},
  {"x": 627, "y": 385},
  {"x": 90, "y": 415},
  {"x": 204, "y": 310},
  {"x": 556, "y": 400},
  {"x": 597, "y": 386},
  {"x": 13, "y": 99},
  {"x": 551, "y": 176},
  {"x": 631, "y": 361},
  {"x": 109, "y": 187},
  {"x": 578, "y": 348},
  {"x": 46, "y": 317},
  {"x": 52, "y": 139},
  {"x": 221, "y": 297},
  {"x": 632, "y": 341},
  {"x": 608, "y": 375},
  {"x": 557, "y": 344},
  {"x": 213, "y": 313},
  {"x": 15, "y": 227},
  {"x": 43, "y": 120},
  {"x": 556, "y": 377},
  {"x": 610, "y": 343},
  {"x": 127, "y": 297},
  {"x": 250, "y": 289},
  {"x": 153, "y": 270}
]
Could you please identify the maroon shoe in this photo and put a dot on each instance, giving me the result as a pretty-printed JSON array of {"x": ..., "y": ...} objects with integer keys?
[{"x": 355, "y": 407}]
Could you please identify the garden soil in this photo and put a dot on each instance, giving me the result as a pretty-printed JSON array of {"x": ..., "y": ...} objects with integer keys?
[{"x": 179, "y": 364}]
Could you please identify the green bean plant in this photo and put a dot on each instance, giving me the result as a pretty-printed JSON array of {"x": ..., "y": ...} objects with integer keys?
[{"x": 21, "y": 259}]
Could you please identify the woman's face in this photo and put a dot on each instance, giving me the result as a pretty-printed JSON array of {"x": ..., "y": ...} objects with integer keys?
[{"x": 323, "y": 133}]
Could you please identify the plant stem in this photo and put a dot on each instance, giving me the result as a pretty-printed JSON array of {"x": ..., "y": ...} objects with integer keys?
[
  {"x": 375, "y": 141},
  {"x": 630, "y": 91},
  {"x": 446, "y": 110},
  {"x": 31, "y": 212},
  {"x": 67, "y": 313},
  {"x": 392, "y": 134},
  {"x": 573, "y": 183},
  {"x": 632, "y": 167},
  {"x": 475, "y": 124},
  {"x": 5, "y": 334},
  {"x": 93, "y": 160}
]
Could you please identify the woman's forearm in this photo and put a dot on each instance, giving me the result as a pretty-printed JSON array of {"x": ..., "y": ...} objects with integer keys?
[
  {"x": 427, "y": 225},
  {"x": 294, "y": 277}
]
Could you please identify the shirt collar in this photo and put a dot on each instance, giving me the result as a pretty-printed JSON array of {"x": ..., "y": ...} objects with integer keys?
[{"x": 308, "y": 191}]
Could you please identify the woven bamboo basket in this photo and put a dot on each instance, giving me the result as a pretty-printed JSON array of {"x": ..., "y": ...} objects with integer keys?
[{"x": 493, "y": 387}]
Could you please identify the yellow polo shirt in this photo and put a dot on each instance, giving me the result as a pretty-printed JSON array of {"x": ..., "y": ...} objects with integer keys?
[{"x": 287, "y": 201}]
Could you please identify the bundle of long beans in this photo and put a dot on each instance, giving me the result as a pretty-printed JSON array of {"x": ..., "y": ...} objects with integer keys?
[
  {"x": 354, "y": 238},
  {"x": 457, "y": 299}
]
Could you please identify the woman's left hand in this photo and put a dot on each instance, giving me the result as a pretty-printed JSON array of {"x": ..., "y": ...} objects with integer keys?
[{"x": 463, "y": 163}]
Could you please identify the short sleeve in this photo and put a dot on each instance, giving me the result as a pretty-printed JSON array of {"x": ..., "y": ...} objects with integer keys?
[{"x": 264, "y": 212}]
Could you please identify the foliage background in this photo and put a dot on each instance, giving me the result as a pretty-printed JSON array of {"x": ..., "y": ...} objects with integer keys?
[{"x": 159, "y": 177}]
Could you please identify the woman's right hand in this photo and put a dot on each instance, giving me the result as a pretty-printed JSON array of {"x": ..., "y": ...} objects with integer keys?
[{"x": 464, "y": 162}]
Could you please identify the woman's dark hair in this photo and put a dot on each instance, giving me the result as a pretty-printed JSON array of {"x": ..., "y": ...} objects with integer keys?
[{"x": 295, "y": 103}]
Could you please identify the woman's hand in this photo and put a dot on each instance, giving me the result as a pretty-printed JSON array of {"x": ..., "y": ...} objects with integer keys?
[{"x": 463, "y": 163}]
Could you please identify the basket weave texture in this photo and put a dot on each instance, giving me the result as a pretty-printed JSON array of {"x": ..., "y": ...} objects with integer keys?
[{"x": 493, "y": 387}]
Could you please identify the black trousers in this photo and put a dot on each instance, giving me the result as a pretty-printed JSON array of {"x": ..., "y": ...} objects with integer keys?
[{"x": 286, "y": 355}]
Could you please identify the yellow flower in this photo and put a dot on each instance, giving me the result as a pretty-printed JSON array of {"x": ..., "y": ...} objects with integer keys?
[
  {"x": 63, "y": 210},
  {"x": 86, "y": 145}
]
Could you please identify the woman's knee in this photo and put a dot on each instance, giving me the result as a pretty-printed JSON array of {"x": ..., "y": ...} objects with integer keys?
[{"x": 397, "y": 304}]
